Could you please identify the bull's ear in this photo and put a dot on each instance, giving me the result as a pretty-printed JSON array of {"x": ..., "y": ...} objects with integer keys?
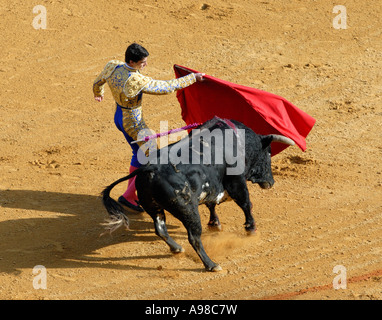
[{"x": 266, "y": 141}]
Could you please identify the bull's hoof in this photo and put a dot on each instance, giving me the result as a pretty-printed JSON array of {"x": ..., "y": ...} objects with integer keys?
[
  {"x": 214, "y": 226},
  {"x": 250, "y": 228},
  {"x": 177, "y": 250},
  {"x": 216, "y": 268},
  {"x": 250, "y": 232}
]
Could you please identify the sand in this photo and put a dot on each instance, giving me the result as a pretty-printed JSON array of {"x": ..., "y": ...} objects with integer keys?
[{"x": 60, "y": 148}]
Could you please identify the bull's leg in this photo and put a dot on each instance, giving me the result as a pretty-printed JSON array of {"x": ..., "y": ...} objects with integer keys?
[
  {"x": 249, "y": 225},
  {"x": 161, "y": 231},
  {"x": 213, "y": 223},
  {"x": 238, "y": 191},
  {"x": 194, "y": 231}
]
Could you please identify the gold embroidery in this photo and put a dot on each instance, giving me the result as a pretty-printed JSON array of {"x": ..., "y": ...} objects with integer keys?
[
  {"x": 169, "y": 86},
  {"x": 126, "y": 84},
  {"x": 99, "y": 82},
  {"x": 135, "y": 84}
]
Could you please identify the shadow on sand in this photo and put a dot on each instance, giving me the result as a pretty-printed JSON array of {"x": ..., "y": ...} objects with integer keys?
[{"x": 65, "y": 233}]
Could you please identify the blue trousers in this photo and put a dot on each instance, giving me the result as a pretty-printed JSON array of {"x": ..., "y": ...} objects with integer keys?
[{"x": 118, "y": 120}]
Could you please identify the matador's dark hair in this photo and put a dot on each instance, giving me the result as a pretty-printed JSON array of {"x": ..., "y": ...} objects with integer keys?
[{"x": 135, "y": 52}]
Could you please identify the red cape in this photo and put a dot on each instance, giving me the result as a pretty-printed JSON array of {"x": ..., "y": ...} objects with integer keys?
[{"x": 263, "y": 112}]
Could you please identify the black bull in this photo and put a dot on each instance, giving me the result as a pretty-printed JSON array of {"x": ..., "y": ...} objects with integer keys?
[{"x": 202, "y": 176}]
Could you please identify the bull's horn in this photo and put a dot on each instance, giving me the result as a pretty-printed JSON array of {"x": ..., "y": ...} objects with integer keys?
[{"x": 282, "y": 139}]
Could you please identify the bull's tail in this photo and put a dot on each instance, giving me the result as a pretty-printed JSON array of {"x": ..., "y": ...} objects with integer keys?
[{"x": 117, "y": 216}]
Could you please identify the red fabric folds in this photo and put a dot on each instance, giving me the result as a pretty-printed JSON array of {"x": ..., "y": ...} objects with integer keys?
[{"x": 263, "y": 112}]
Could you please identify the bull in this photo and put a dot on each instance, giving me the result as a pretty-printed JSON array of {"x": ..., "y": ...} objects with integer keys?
[{"x": 202, "y": 176}]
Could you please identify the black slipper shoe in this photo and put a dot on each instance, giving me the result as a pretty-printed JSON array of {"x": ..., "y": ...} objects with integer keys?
[{"x": 128, "y": 204}]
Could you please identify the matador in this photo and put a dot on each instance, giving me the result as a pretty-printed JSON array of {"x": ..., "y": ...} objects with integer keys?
[{"x": 127, "y": 85}]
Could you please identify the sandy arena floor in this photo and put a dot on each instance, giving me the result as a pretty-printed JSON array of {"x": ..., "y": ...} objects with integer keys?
[{"x": 59, "y": 149}]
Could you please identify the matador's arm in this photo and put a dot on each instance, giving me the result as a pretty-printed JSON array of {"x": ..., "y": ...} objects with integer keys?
[
  {"x": 169, "y": 86},
  {"x": 138, "y": 83},
  {"x": 99, "y": 82}
]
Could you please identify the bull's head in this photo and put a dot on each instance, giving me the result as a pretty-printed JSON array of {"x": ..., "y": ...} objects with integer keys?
[{"x": 261, "y": 172}]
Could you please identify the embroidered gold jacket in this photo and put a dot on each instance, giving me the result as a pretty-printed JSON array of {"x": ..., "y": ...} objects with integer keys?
[{"x": 127, "y": 85}]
